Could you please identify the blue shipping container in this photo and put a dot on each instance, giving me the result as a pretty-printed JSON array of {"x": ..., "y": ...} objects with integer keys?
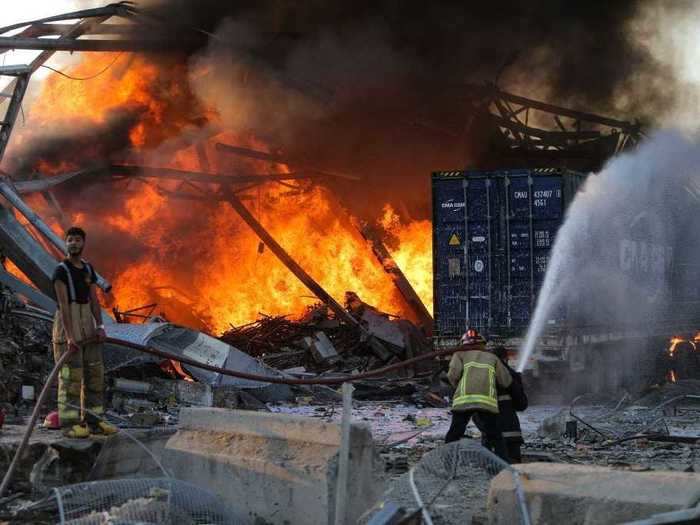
[{"x": 492, "y": 234}]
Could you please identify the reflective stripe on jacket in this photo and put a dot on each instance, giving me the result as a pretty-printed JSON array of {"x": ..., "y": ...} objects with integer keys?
[
  {"x": 477, "y": 374},
  {"x": 471, "y": 391}
]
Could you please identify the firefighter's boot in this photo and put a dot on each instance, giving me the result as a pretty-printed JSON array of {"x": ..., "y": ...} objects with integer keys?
[
  {"x": 76, "y": 432},
  {"x": 103, "y": 428}
]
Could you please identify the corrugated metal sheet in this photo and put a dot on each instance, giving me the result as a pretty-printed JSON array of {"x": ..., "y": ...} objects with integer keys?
[
  {"x": 179, "y": 340},
  {"x": 134, "y": 333}
]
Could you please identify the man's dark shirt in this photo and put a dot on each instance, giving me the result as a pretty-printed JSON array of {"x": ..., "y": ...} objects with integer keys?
[{"x": 82, "y": 279}]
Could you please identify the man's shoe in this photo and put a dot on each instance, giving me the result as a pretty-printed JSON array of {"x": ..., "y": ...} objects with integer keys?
[
  {"x": 77, "y": 432},
  {"x": 103, "y": 428}
]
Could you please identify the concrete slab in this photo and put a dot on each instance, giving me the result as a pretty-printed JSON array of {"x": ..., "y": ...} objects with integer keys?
[
  {"x": 276, "y": 468},
  {"x": 121, "y": 457},
  {"x": 587, "y": 495}
]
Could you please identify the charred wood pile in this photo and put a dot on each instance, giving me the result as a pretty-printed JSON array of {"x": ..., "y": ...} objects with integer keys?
[{"x": 319, "y": 342}]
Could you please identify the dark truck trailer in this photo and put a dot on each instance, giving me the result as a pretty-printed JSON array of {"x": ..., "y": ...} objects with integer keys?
[{"x": 492, "y": 234}]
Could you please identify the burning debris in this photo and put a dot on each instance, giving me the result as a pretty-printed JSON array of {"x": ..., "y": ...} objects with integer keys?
[
  {"x": 168, "y": 152},
  {"x": 320, "y": 342},
  {"x": 682, "y": 360}
]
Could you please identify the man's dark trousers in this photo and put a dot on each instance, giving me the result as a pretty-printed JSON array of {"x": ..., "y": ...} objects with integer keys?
[{"x": 492, "y": 429}]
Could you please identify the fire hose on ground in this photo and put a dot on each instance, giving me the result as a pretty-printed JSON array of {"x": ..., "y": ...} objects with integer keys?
[{"x": 191, "y": 362}]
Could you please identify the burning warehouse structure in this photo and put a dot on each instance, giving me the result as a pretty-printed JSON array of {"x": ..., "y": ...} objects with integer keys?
[
  {"x": 244, "y": 102},
  {"x": 147, "y": 138},
  {"x": 254, "y": 184}
]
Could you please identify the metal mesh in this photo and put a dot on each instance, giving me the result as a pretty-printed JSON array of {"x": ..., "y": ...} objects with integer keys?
[
  {"x": 450, "y": 484},
  {"x": 142, "y": 501}
]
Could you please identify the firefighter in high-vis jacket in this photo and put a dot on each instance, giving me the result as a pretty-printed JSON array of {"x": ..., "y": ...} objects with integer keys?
[
  {"x": 78, "y": 329},
  {"x": 476, "y": 375}
]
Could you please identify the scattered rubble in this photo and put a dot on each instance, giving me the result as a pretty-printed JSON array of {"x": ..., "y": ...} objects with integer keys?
[
  {"x": 24, "y": 359},
  {"x": 408, "y": 412},
  {"x": 284, "y": 344},
  {"x": 659, "y": 431},
  {"x": 319, "y": 342}
]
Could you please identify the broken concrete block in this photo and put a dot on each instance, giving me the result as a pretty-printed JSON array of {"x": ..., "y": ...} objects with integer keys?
[
  {"x": 198, "y": 394},
  {"x": 378, "y": 349},
  {"x": 64, "y": 462},
  {"x": 181, "y": 392},
  {"x": 134, "y": 387},
  {"x": 321, "y": 348},
  {"x": 588, "y": 495},
  {"x": 278, "y": 468},
  {"x": 124, "y": 403},
  {"x": 554, "y": 427},
  {"x": 146, "y": 419},
  {"x": 122, "y": 457}
]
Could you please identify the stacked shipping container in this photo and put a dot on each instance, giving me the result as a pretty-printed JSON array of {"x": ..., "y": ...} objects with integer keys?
[{"x": 492, "y": 234}]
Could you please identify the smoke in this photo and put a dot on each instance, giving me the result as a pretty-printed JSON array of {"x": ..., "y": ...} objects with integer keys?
[
  {"x": 626, "y": 255},
  {"x": 246, "y": 94},
  {"x": 133, "y": 104},
  {"x": 376, "y": 88},
  {"x": 579, "y": 52},
  {"x": 670, "y": 32}
]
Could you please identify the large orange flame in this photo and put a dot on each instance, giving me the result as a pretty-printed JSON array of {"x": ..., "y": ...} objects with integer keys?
[
  {"x": 196, "y": 258},
  {"x": 413, "y": 254}
]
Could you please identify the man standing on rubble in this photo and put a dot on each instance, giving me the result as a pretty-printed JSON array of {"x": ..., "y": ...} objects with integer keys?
[
  {"x": 476, "y": 374},
  {"x": 78, "y": 329},
  {"x": 510, "y": 401}
]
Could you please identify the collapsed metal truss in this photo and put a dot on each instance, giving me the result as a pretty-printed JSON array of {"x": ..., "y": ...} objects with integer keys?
[
  {"x": 86, "y": 22},
  {"x": 27, "y": 245},
  {"x": 30, "y": 252},
  {"x": 514, "y": 128},
  {"x": 118, "y": 171}
]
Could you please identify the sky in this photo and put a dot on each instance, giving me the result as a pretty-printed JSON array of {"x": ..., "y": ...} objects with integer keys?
[
  {"x": 671, "y": 32},
  {"x": 26, "y": 10}
]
